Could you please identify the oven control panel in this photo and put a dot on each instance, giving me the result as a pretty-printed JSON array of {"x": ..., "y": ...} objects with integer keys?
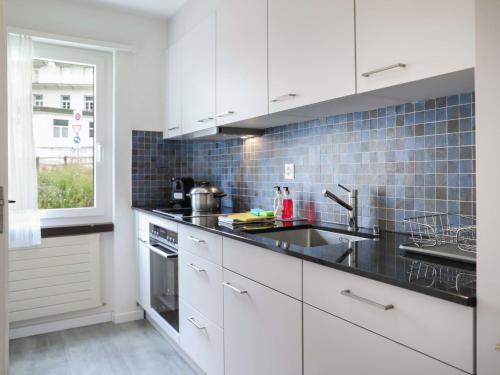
[{"x": 163, "y": 236}]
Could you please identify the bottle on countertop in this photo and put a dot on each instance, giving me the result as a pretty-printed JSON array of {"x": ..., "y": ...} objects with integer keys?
[
  {"x": 278, "y": 202},
  {"x": 287, "y": 212}
]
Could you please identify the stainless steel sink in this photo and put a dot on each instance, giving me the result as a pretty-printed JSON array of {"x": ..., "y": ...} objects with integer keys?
[{"x": 311, "y": 237}]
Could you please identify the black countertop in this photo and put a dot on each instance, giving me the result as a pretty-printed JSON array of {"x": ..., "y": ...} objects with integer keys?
[{"x": 379, "y": 259}]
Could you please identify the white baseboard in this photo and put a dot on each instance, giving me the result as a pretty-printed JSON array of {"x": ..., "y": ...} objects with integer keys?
[
  {"x": 128, "y": 316},
  {"x": 38, "y": 329}
]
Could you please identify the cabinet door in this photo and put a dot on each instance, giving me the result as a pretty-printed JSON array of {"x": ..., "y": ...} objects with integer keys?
[
  {"x": 262, "y": 329},
  {"x": 429, "y": 37},
  {"x": 241, "y": 60},
  {"x": 173, "y": 116},
  {"x": 311, "y": 52},
  {"x": 334, "y": 346},
  {"x": 198, "y": 77},
  {"x": 144, "y": 276}
]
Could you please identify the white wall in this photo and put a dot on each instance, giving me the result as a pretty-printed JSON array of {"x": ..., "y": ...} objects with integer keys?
[
  {"x": 488, "y": 181},
  {"x": 138, "y": 105},
  {"x": 4, "y": 358}
]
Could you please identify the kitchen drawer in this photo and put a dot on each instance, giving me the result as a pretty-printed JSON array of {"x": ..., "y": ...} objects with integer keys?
[
  {"x": 199, "y": 242},
  {"x": 334, "y": 346},
  {"x": 440, "y": 329},
  {"x": 200, "y": 284},
  {"x": 201, "y": 340},
  {"x": 277, "y": 271}
]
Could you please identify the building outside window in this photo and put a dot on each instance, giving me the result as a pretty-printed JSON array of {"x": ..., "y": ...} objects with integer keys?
[
  {"x": 65, "y": 102},
  {"x": 73, "y": 179},
  {"x": 89, "y": 103},
  {"x": 60, "y": 128},
  {"x": 38, "y": 100}
]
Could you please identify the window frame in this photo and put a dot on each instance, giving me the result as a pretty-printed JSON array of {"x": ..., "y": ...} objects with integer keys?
[
  {"x": 89, "y": 101},
  {"x": 60, "y": 128},
  {"x": 103, "y": 132},
  {"x": 65, "y": 101},
  {"x": 37, "y": 100}
]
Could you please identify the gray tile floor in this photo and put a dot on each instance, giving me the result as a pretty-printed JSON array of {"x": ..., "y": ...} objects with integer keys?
[{"x": 134, "y": 348}]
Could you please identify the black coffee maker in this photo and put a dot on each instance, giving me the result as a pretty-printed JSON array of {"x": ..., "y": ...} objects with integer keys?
[{"x": 181, "y": 186}]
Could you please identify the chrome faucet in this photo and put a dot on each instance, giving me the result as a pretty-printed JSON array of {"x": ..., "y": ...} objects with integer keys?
[{"x": 351, "y": 206}]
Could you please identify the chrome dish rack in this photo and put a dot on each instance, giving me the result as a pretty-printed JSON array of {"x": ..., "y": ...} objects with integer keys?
[{"x": 441, "y": 229}]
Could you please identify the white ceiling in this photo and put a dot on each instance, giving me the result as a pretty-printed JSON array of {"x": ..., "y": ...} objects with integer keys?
[{"x": 158, "y": 8}]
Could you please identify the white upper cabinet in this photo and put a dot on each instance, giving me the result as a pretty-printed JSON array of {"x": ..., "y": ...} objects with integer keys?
[
  {"x": 198, "y": 77},
  {"x": 399, "y": 41},
  {"x": 173, "y": 115},
  {"x": 311, "y": 52},
  {"x": 241, "y": 60}
]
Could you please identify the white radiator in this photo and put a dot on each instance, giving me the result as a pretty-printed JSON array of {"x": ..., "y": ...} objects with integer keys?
[{"x": 59, "y": 276}]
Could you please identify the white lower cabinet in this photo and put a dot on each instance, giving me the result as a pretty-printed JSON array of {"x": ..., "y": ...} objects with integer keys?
[
  {"x": 200, "y": 285},
  {"x": 144, "y": 278},
  {"x": 143, "y": 268},
  {"x": 262, "y": 329},
  {"x": 201, "y": 340},
  {"x": 238, "y": 316},
  {"x": 432, "y": 326},
  {"x": 333, "y": 346}
]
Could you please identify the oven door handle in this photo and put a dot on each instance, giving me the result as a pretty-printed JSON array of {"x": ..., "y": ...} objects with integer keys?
[{"x": 160, "y": 253}]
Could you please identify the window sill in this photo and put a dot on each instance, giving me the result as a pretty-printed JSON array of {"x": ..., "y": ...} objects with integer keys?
[
  {"x": 74, "y": 221},
  {"x": 74, "y": 230}
]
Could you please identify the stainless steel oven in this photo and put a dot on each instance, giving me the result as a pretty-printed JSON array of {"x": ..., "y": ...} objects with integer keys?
[{"x": 164, "y": 274}]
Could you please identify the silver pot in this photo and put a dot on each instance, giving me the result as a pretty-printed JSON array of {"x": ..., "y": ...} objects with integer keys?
[{"x": 206, "y": 198}]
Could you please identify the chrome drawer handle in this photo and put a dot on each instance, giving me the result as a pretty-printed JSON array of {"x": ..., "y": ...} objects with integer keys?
[
  {"x": 284, "y": 97},
  {"x": 375, "y": 71},
  {"x": 197, "y": 269},
  {"x": 225, "y": 114},
  {"x": 193, "y": 321},
  {"x": 173, "y": 128},
  {"x": 206, "y": 119},
  {"x": 349, "y": 294},
  {"x": 228, "y": 284},
  {"x": 195, "y": 239}
]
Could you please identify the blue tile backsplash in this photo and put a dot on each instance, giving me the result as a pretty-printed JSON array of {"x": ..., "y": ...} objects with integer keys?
[{"x": 405, "y": 160}]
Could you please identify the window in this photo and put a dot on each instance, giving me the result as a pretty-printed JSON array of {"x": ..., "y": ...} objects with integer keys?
[
  {"x": 38, "y": 100},
  {"x": 60, "y": 128},
  {"x": 65, "y": 101},
  {"x": 89, "y": 103},
  {"x": 74, "y": 167}
]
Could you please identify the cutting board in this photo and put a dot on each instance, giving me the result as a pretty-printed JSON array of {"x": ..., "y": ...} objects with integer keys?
[{"x": 245, "y": 217}]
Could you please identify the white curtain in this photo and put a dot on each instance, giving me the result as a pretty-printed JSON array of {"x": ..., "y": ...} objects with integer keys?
[{"x": 24, "y": 220}]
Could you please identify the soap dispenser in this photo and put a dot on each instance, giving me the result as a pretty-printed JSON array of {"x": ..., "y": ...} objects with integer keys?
[
  {"x": 287, "y": 204},
  {"x": 278, "y": 201}
]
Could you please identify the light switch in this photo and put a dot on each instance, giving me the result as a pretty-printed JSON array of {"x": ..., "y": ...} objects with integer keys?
[{"x": 289, "y": 171}]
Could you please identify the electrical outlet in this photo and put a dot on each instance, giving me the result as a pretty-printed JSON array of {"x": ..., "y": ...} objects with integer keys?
[{"x": 289, "y": 171}]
